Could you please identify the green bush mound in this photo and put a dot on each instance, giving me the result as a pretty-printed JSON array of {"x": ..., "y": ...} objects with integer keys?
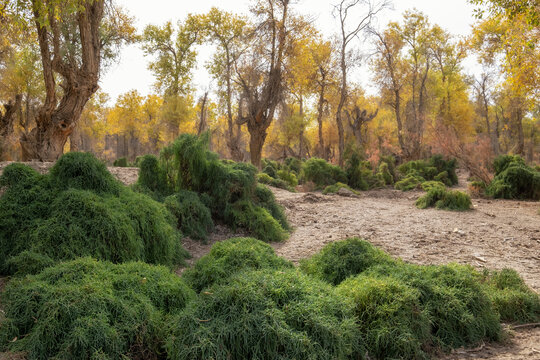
[
  {"x": 229, "y": 257},
  {"x": 360, "y": 173},
  {"x": 264, "y": 178},
  {"x": 333, "y": 189},
  {"x": 121, "y": 162},
  {"x": 389, "y": 316},
  {"x": 512, "y": 299},
  {"x": 266, "y": 314},
  {"x": 323, "y": 174},
  {"x": 79, "y": 209},
  {"x": 293, "y": 165},
  {"x": 428, "y": 185},
  {"x": 193, "y": 216},
  {"x": 265, "y": 198},
  {"x": 514, "y": 179},
  {"x": 86, "y": 309},
  {"x": 289, "y": 177},
  {"x": 435, "y": 168},
  {"x": 342, "y": 259},
  {"x": 444, "y": 199},
  {"x": 384, "y": 176},
  {"x": 231, "y": 188}
]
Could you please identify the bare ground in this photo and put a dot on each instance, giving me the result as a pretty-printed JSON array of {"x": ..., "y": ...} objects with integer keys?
[{"x": 496, "y": 234}]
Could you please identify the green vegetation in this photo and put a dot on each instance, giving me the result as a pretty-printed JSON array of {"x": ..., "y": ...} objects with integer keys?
[
  {"x": 360, "y": 174},
  {"x": 323, "y": 174},
  {"x": 266, "y": 179},
  {"x": 434, "y": 169},
  {"x": 79, "y": 209},
  {"x": 193, "y": 216},
  {"x": 514, "y": 179},
  {"x": 444, "y": 199},
  {"x": 339, "y": 260},
  {"x": 266, "y": 314},
  {"x": 85, "y": 309},
  {"x": 231, "y": 188},
  {"x": 333, "y": 189},
  {"x": 121, "y": 162},
  {"x": 229, "y": 257}
]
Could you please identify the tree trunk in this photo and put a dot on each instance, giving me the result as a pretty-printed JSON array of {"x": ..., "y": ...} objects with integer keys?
[
  {"x": 256, "y": 143},
  {"x": 6, "y": 122}
]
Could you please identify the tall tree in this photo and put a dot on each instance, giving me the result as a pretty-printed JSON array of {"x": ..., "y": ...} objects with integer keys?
[
  {"x": 361, "y": 13},
  {"x": 76, "y": 38}
]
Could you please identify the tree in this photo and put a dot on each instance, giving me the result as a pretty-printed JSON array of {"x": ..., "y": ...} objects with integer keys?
[
  {"x": 530, "y": 9},
  {"x": 343, "y": 10},
  {"x": 76, "y": 38}
]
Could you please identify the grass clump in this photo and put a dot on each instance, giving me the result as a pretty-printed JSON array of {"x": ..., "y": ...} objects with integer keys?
[
  {"x": 333, "y": 189},
  {"x": 435, "y": 168},
  {"x": 408, "y": 183},
  {"x": 289, "y": 177},
  {"x": 340, "y": 260},
  {"x": 121, "y": 162},
  {"x": 79, "y": 209},
  {"x": 389, "y": 317},
  {"x": 444, "y": 199},
  {"x": 514, "y": 179},
  {"x": 231, "y": 188},
  {"x": 266, "y": 314},
  {"x": 193, "y": 216},
  {"x": 86, "y": 309},
  {"x": 384, "y": 176},
  {"x": 323, "y": 174},
  {"x": 511, "y": 297},
  {"x": 360, "y": 173},
  {"x": 229, "y": 257},
  {"x": 264, "y": 178},
  {"x": 428, "y": 185}
]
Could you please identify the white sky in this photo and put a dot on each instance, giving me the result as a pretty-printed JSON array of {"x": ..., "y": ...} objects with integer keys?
[{"x": 131, "y": 72}]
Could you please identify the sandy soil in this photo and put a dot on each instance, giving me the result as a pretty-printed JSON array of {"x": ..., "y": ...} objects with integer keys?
[{"x": 496, "y": 234}]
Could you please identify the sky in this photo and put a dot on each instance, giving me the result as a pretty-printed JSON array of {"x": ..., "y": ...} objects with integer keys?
[{"x": 131, "y": 70}]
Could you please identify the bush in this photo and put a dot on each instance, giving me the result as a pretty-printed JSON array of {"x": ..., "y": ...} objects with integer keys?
[
  {"x": 294, "y": 165},
  {"x": 194, "y": 218},
  {"x": 409, "y": 183},
  {"x": 41, "y": 219},
  {"x": 85, "y": 309},
  {"x": 231, "y": 187},
  {"x": 389, "y": 317},
  {"x": 511, "y": 298},
  {"x": 230, "y": 257},
  {"x": 514, "y": 179},
  {"x": 384, "y": 175},
  {"x": 435, "y": 168},
  {"x": 477, "y": 188},
  {"x": 322, "y": 173},
  {"x": 266, "y": 314},
  {"x": 428, "y": 185},
  {"x": 121, "y": 162},
  {"x": 264, "y": 178},
  {"x": 360, "y": 174},
  {"x": 339, "y": 260},
  {"x": 288, "y": 177},
  {"x": 266, "y": 199},
  {"x": 333, "y": 189},
  {"x": 444, "y": 199}
]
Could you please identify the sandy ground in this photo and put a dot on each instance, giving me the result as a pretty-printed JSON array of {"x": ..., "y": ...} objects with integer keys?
[{"x": 496, "y": 234}]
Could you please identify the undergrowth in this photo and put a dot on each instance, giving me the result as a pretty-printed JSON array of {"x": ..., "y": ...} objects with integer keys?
[
  {"x": 444, "y": 199},
  {"x": 514, "y": 179}
]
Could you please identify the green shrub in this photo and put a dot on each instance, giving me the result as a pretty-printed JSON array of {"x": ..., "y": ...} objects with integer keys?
[
  {"x": 452, "y": 296},
  {"x": 230, "y": 187},
  {"x": 294, "y": 165},
  {"x": 339, "y": 260},
  {"x": 266, "y": 199},
  {"x": 389, "y": 317},
  {"x": 444, "y": 199},
  {"x": 511, "y": 297},
  {"x": 333, "y": 189},
  {"x": 266, "y": 315},
  {"x": 230, "y": 257},
  {"x": 428, "y": 185},
  {"x": 121, "y": 162},
  {"x": 384, "y": 175},
  {"x": 409, "y": 183},
  {"x": 151, "y": 178},
  {"x": 322, "y": 173},
  {"x": 270, "y": 171},
  {"x": 360, "y": 174},
  {"x": 85, "y": 309},
  {"x": 391, "y": 163},
  {"x": 270, "y": 167},
  {"x": 264, "y": 178},
  {"x": 194, "y": 218},
  {"x": 40, "y": 219},
  {"x": 514, "y": 179},
  {"x": 435, "y": 168},
  {"x": 288, "y": 177}
]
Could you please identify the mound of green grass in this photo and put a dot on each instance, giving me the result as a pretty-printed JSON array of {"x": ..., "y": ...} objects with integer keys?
[
  {"x": 410, "y": 182},
  {"x": 342, "y": 259},
  {"x": 384, "y": 176},
  {"x": 514, "y": 179},
  {"x": 193, "y": 216},
  {"x": 323, "y": 174},
  {"x": 264, "y": 178},
  {"x": 77, "y": 210},
  {"x": 266, "y": 314},
  {"x": 360, "y": 173},
  {"x": 389, "y": 316},
  {"x": 289, "y": 177},
  {"x": 229, "y": 257},
  {"x": 444, "y": 199},
  {"x": 85, "y": 309},
  {"x": 121, "y": 162},
  {"x": 333, "y": 189},
  {"x": 435, "y": 168},
  {"x": 231, "y": 187},
  {"x": 428, "y": 185}
]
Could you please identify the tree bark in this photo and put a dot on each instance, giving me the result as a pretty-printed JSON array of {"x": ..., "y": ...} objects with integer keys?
[{"x": 6, "y": 122}]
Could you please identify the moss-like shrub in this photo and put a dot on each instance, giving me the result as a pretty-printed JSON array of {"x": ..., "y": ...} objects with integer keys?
[
  {"x": 266, "y": 199},
  {"x": 360, "y": 174},
  {"x": 389, "y": 316},
  {"x": 41, "y": 218},
  {"x": 267, "y": 315},
  {"x": 231, "y": 187},
  {"x": 512, "y": 299},
  {"x": 409, "y": 183},
  {"x": 288, "y": 177},
  {"x": 333, "y": 189},
  {"x": 230, "y": 257},
  {"x": 477, "y": 188},
  {"x": 435, "y": 168},
  {"x": 514, "y": 179},
  {"x": 339, "y": 260},
  {"x": 384, "y": 175},
  {"x": 121, "y": 162},
  {"x": 85, "y": 309},
  {"x": 194, "y": 218},
  {"x": 264, "y": 178},
  {"x": 460, "y": 312},
  {"x": 322, "y": 173},
  {"x": 294, "y": 165},
  {"x": 444, "y": 199},
  {"x": 428, "y": 185}
]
